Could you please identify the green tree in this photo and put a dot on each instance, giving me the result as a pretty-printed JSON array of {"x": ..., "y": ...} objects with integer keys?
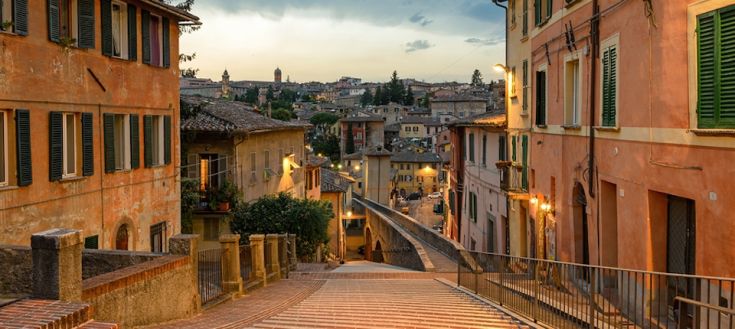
[
  {"x": 409, "y": 97},
  {"x": 366, "y": 98},
  {"x": 426, "y": 102},
  {"x": 307, "y": 98},
  {"x": 327, "y": 145},
  {"x": 378, "y": 98},
  {"x": 349, "y": 140},
  {"x": 323, "y": 120},
  {"x": 385, "y": 96},
  {"x": 251, "y": 95},
  {"x": 477, "y": 78},
  {"x": 282, "y": 213},
  {"x": 269, "y": 95},
  {"x": 282, "y": 114},
  {"x": 396, "y": 89}
]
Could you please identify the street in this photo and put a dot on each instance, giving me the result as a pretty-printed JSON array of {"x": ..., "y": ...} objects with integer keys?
[{"x": 423, "y": 211}]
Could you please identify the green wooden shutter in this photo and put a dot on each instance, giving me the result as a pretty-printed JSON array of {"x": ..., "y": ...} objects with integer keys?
[
  {"x": 109, "y": 131},
  {"x": 501, "y": 148},
  {"x": 537, "y": 11},
  {"x": 134, "y": 141},
  {"x": 148, "y": 140},
  {"x": 484, "y": 149},
  {"x": 106, "y": 20},
  {"x": 524, "y": 172},
  {"x": 167, "y": 139},
  {"x": 132, "y": 33},
  {"x": 513, "y": 145},
  {"x": 472, "y": 147},
  {"x": 166, "y": 42},
  {"x": 525, "y": 86},
  {"x": 20, "y": 17},
  {"x": 85, "y": 16},
  {"x": 525, "y": 17},
  {"x": 549, "y": 8},
  {"x": 541, "y": 98},
  {"x": 726, "y": 106},
  {"x": 609, "y": 84},
  {"x": 56, "y": 146},
  {"x": 23, "y": 147},
  {"x": 145, "y": 30},
  {"x": 54, "y": 28},
  {"x": 87, "y": 144}
]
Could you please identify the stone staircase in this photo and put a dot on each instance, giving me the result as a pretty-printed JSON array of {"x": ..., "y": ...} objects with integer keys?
[
  {"x": 51, "y": 314},
  {"x": 389, "y": 304}
]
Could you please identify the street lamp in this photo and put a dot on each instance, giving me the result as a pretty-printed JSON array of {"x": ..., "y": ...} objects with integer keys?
[{"x": 500, "y": 68}]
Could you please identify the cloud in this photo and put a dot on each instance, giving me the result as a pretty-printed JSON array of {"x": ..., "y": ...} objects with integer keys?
[
  {"x": 420, "y": 19},
  {"x": 418, "y": 45},
  {"x": 485, "y": 42}
]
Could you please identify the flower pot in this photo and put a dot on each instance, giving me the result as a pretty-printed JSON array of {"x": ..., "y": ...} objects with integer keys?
[{"x": 223, "y": 206}]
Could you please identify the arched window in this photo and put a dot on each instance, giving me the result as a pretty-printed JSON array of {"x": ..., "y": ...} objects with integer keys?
[{"x": 121, "y": 239}]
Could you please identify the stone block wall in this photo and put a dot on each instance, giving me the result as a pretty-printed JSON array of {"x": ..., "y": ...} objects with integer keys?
[
  {"x": 16, "y": 270},
  {"x": 98, "y": 262}
]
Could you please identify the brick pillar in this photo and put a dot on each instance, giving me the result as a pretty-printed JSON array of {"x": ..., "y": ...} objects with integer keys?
[
  {"x": 293, "y": 261},
  {"x": 231, "y": 278},
  {"x": 57, "y": 264},
  {"x": 257, "y": 252},
  {"x": 273, "y": 252},
  {"x": 187, "y": 245}
]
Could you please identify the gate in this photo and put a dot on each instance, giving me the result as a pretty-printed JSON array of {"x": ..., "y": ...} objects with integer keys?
[{"x": 210, "y": 275}]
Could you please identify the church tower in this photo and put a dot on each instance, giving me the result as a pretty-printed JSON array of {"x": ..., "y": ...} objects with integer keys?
[
  {"x": 225, "y": 84},
  {"x": 277, "y": 75}
]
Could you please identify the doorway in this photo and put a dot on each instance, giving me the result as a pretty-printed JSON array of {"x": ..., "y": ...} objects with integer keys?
[
  {"x": 581, "y": 225},
  {"x": 680, "y": 254},
  {"x": 158, "y": 237}
]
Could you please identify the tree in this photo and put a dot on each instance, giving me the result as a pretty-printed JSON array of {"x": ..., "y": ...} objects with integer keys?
[
  {"x": 282, "y": 213},
  {"x": 323, "y": 120},
  {"x": 366, "y": 98},
  {"x": 426, "y": 102},
  {"x": 477, "y": 78},
  {"x": 385, "y": 96},
  {"x": 282, "y": 114},
  {"x": 251, "y": 95},
  {"x": 377, "y": 99},
  {"x": 327, "y": 145},
  {"x": 307, "y": 98},
  {"x": 269, "y": 95},
  {"x": 349, "y": 140},
  {"x": 396, "y": 89},
  {"x": 409, "y": 97}
]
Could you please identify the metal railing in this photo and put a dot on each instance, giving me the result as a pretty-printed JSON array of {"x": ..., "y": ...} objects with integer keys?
[
  {"x": 566, "y": 295},
  {"x": 246, "y": 263},
  {"x": 210, "y": 272},
  {"x": 268, "y": 259}
]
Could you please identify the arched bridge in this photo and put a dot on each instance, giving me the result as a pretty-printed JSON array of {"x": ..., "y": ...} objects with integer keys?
[{"x": 394, "y": 238}]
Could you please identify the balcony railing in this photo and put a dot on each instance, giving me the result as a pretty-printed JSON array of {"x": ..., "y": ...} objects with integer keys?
[
  {"x": 565, "y": 295},
  {"x": 511, "y": 176}
]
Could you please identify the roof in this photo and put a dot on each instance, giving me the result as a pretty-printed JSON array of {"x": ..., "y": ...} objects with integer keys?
[
  {"x": 332, "y": 181},
  {"x": 353, "y": 156},
  {"x": 316, "y": 161},
  {"x": 362, "y": 118},
  {"x": 488, "y": 119},
  {"x": 395, "y": 127},
  {"x": 459, "y": 98},
  {"x": 420, "y": 120},
  {"x": 181, "y": 15},
  {"x": 377, "y": 151},
  {"x": 413, "y": 156},
  {"x": 218, "y": 115}
]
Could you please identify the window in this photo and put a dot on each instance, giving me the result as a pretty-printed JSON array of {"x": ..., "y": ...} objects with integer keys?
[
  {"x": 541, "y": 98},
  {"x": 158, "y": 237},
  {"x": 408, "y": 129},
  {"x": 119, "y": 145},
  {"x": 15, "y": 11},
  {"x": 473, "y": 206},
  {"x": 525, "y": 17},
  {"x": 4, "y": 180},
  {"x": 119, "y": 30},
  {"x": 91, "y": 242},
  {"x": 72, "y": 22},
  {"x": 609, "y": 86},
  {"x": 512, "y": 82},
  {"x": 155, "y": 30},
  {"x": 157, "y": 140},
  {"x": 415, "y": 129},
  {"x": 543, "y": 10},
  {"x": 484, "y": 150},
  {"x": 490, "y": 232},
  {"x": 211, "y": 229},
  {"x": 716, "y": 62},
  {"x": 471, "y": 143},
  {"x": 69, "y": 126},
  {"x": 572, "y": 93},
  {"x": 253, "y": 171},
  {"x": 512, "y": 6},
  {"x": 501, "y": 148},
  {"x": 525, "y": 87},
  {"x": 67, "y": 9}
]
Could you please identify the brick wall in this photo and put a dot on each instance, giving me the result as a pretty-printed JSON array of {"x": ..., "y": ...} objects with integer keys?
[{"x": 16, "y": 270}]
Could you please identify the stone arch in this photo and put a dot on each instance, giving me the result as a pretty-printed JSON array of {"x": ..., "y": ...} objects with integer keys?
[
  {"x": 368, "y": 244},
  {"x": 378, "y": 252},
  {"x": 123, "y": 237}
]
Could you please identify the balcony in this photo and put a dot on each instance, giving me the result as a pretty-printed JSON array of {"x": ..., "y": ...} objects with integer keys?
[{"x": 511, "y": 177}]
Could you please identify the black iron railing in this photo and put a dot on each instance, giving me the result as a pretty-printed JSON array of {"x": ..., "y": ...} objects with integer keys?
[
  {"x": 210, "y": 274},
  {"x": 566, "y": 295}
]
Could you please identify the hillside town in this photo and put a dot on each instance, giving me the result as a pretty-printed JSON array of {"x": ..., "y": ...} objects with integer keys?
[{"x": 579, "y": 178}]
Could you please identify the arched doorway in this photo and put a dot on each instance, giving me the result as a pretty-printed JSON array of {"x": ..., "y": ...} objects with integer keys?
[
  {"x": 121, "y": 237},
  {"x": 368, "y": 245},
  {"x": 378, "y": 253},
  {"x": 581, "y": 225}
]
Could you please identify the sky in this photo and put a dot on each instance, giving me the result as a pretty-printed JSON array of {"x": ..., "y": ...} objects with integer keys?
[{"x": 322, "y": 40}]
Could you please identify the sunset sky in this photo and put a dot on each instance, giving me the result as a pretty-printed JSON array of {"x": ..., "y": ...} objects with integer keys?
[{"x": 321, "y": 40}]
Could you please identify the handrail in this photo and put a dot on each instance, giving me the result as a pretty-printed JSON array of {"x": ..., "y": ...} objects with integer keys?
[{"x": 700, "y": 304}]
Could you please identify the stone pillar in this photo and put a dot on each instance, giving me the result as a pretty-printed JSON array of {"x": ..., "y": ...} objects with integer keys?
[
  {"x": 273, "y": 252},
  {"x": 294, "y": 260},
  {"x": 187, "y": 245},
  {"x": 231, "y": 278},
  {"x": 57, "y": 264},
  {"x": 283, "y": 254},
  {"x": 257, "y": 252}
]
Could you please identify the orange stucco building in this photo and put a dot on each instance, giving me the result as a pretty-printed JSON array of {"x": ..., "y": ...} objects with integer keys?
[
  {"x": 88, "y": 100},
  {"x": 631, "y": 132}
]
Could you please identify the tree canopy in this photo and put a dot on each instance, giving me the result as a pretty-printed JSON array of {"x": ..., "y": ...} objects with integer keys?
[
  {"x": 327, "y": 145},
  {"x": 323, "y": 120},
  {"x": 366, "y": 98},
  {"x": 282, "y": 213},
  {"x": 477, "y": 78}
]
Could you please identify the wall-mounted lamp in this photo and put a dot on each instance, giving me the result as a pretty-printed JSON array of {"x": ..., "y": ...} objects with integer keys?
[
  {"x": 349, "y": 214},
  {"x": 339, "y": 166},
  {"x": 357, "y": 167},
  {"x": 546, "y": 206},
  {"x": 533, "y": 200},
  {"x": 501, "y": 68}
]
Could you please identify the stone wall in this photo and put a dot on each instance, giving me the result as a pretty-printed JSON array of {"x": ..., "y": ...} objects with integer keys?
[
  {"x": 98, "y": 262},
  {"x": 397, "y": 246},
  {"x": 16, "y": 270},
  {"x": 144, "y": 294}
]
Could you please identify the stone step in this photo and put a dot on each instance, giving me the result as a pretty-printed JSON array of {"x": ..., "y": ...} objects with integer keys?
[
  {"x": 40, "y": 313},
  {"x": 98, "y": 325},
  {"x": 392, "y": 319}
]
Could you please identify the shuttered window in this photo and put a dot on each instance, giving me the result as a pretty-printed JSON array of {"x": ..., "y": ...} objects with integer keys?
[
  {"x": 134, "y": 141},
  {"x": 156, "y": 39},
  {"x": 87, "y": 144},
  {"x": 85, "y": 20},
  {"x": 157, "y": 140},
  {"x": 716, "y": 69},
  {"x": 524, "y": 173},
  {"x": 501, "y": 148},
  {"x": 118, "y": 142},
  {"x": 484, "y": 149},
  {"x": 472, "y": 147},
  {"x": 525, "y": 17},
  {"x": 119, "y": 29},
  {"x": 542, "y": 11},
  {"x": 62, "y": 14},
  {"x": 525, "y": 87},
  {"x": 15, "y": 11},
  {"x": 541, "y": 98},
  {"x": 68, "y": 131},
  {"x": 23, "y": 147},
  {"x": 609, "y": 86}
]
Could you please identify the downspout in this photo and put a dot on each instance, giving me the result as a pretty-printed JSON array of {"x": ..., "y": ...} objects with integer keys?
[
  {"x": 507, "y": 107},
  {"x": 594, "y": 26}
]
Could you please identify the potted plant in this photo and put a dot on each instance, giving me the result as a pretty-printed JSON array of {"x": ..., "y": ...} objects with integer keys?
[
  {"x": 229, "y": 195},
  {"x": 6, "y": 25}
]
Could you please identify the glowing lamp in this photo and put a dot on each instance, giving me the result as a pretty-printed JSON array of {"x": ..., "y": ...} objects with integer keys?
[{"x": 500, "y": 68}]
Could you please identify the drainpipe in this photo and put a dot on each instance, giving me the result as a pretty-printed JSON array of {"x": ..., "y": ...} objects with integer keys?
[
  {"x": 507, "y": 107},
  {"x": 595, "y": 27}
]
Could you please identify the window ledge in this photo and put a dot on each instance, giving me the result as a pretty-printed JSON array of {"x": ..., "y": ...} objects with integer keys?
[
  {"x": 72, "y": 179},
  {"x": 8, "y": 188},
  {"x": 713, "y": 132},
  {"x": 541, "y": 126},
  {"x": 570, "y": 3},
  {"x": 603, "y": 128},
  {"x": 571, "y": 127},
  {"x": 3, "y": 32},
  {"x": 524, "y": 38},
  {"x": 524, "y": 113}
]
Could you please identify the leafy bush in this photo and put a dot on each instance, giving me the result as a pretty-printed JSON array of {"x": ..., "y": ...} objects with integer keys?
[{"x": 282, "y": 213}]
